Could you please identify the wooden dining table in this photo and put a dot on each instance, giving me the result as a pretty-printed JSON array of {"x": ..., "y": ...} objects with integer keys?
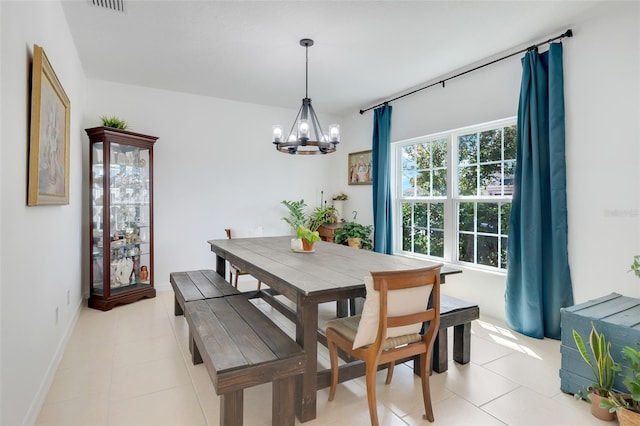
[{"x": 330, "y": 273}]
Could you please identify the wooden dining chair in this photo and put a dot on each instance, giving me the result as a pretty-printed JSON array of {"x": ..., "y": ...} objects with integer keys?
[
  {"x": 396, "y": 306},
  {"x": 241, "y": 233}
]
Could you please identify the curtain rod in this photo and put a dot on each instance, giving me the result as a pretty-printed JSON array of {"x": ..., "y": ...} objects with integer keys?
[{"x": 568, "y": 33}]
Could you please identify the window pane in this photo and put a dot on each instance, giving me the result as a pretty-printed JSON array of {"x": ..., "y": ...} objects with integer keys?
[
  {"x": 487, "y": 250},
  {"x": 409, "y": 157},
  {"x": 408, "y": 182},
  {"x": 407, "y": 209},
  {"x": 423, "y": 156},
  {"x": 421, "y": 242},
  {"x": 439, "y": 183},
  {"x": 503, "y": 253},
  {"x": 491, "y": 179},
  {"x": 467, "y": 180},
  {"x": 424, "y": 184},
  {"x": 437, "y": 243},
  {"x": 439, "y": 153},
  {"x": 505, "y": 213},
  {"x": 510, "y": 140},
  {"x": 465, "y": 248},
  {"x": 466, "y": 217},
  {"x": 420, "y": 215},
  {"x": 468, "y": 149},
  {"x": 437, "y": 216},
  {"x": 491, "y": 145},
  {"x": 488, "y": 218},
  {"x": 509, "y": 175}
]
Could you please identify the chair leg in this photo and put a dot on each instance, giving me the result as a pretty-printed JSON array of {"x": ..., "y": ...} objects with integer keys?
[
  {"x": 259, "y": 284},
  {"x": 236, "y": 281},
  {"x": 333, "y": 357},
  {"x": 425, "y": 361},
  {"x": 390, "y": 372},
  {"x": 371, "y": 392}
]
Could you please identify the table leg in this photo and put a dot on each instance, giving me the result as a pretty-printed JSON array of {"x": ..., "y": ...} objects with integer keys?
[
  {"x": 221, "y": 266},
  {"x": 307, "y": 382}
]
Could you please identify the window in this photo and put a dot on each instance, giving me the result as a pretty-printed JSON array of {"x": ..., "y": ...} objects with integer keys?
[{"x": 453, "y": 193}]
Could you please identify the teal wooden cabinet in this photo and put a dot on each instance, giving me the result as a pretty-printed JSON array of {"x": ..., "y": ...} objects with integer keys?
[{"x": 616, "y": 316}]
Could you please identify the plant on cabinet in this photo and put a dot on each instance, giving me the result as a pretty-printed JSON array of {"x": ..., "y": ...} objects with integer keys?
[{"x": 355, "y": 235}]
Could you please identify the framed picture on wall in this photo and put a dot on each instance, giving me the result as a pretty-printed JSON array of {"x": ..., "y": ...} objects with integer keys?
[
  {"x": 360, "y": 168},
  {"x": 49, "y": 135}
]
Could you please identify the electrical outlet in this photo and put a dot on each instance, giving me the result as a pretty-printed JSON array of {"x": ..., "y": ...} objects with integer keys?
[
  {"x": 68, "y": 297},
  {"x": 57, "y": 314}
]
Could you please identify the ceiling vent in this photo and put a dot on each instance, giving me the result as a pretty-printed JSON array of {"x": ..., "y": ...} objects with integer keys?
[{"x": 117, "y": 5}]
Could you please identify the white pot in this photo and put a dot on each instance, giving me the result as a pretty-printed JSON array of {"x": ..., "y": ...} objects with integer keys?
[
  {"x": 296, "y": 244},
  {"x": 339, "y": 206}
]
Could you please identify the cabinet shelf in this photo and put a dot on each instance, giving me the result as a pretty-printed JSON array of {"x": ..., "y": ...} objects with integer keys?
[{"x": 122, "y": 270}]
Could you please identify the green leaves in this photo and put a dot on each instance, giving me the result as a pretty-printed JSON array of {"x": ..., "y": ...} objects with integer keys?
[
  {"x": 113, "y": 122},
  {"x": 603, "y": 366}
]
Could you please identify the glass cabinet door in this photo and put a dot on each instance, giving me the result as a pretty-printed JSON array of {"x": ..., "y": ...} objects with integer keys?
[
  {"x": 129, "y": 238},
  {"x": 97, "y": 218}
]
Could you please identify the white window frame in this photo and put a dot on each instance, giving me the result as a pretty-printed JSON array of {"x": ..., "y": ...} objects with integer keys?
[{"x": 452, "y": 199}]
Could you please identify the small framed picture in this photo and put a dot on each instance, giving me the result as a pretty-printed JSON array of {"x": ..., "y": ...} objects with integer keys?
[
  {"x": 360, "y": 168},
  {"x": 49, "y": 138}
]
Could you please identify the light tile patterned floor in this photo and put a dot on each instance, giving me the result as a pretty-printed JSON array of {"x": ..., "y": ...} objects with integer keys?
[{"x": 131, "y": 366}]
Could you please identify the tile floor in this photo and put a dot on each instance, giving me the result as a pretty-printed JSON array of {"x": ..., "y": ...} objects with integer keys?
[{"x": 131, "y": 366}]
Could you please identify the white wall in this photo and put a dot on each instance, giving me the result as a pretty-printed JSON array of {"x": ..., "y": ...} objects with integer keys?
[
  {"x": 215, "y": 167},
  {"x": 602, "y": 101},
  {"x": 40, "y": 246}
]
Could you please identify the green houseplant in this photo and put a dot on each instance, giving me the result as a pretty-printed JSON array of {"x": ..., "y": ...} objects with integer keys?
[
  {"x": 296, "y": 213},
  {"x": 306, "y": 226},
  {"x": 113, "y": 122},
  {"x": 354, "y": 231},
  {"x": 604, "y": 370},
  {"x": 627, "y": 406}
]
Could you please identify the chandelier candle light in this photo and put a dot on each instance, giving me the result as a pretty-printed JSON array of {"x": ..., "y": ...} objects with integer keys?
[{"x": 299, "y": 140}]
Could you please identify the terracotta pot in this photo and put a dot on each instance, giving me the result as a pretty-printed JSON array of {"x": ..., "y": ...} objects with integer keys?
[
  {"x": 628, "y": 417},
  {"x": 306, "y": 245},
  {"x": 597, "y": 411},
  {"x": 354, "y": 242}
]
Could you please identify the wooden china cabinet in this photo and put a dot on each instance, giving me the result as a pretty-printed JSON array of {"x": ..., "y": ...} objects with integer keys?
[{"x": 121, "y": 225}]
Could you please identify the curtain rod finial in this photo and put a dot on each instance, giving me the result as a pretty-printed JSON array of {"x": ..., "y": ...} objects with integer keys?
[{"x": 569, "y": 33}]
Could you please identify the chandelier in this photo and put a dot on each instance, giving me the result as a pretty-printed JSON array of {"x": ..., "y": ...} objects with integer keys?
[{"x": 299, "y": 139}]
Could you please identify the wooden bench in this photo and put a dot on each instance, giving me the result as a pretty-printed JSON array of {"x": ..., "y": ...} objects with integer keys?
[
  {"x": 241, "y": 348},
  {"x": 198, "y": 285},
  {"x": 458, "y": 314}
]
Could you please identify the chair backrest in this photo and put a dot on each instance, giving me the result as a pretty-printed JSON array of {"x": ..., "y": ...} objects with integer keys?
[
  {"x": 392, "y": 313},
  {"x": 244, "y": 232}
]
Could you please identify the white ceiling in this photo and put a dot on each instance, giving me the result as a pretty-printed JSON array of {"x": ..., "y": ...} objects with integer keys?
[{"x": 364, "y": 52}]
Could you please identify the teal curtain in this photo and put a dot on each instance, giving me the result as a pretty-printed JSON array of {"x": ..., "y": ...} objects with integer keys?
[
  {"x": 381, "y": 176},
  {"x": 538, "y": 276}
]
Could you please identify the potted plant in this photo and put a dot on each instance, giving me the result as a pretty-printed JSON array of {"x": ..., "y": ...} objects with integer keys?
[
  {"x": 306, "y": 226},
  {"x": 308, "y": 237},
  {"x": 604, "y": 369},
  {"x": 627, "y": 406},
  {"x": 113, "y": 122},
  {"x": 355, "y": 235}
]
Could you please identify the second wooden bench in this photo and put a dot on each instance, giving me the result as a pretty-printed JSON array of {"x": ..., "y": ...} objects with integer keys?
[{"x": 241, "y": 348}]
